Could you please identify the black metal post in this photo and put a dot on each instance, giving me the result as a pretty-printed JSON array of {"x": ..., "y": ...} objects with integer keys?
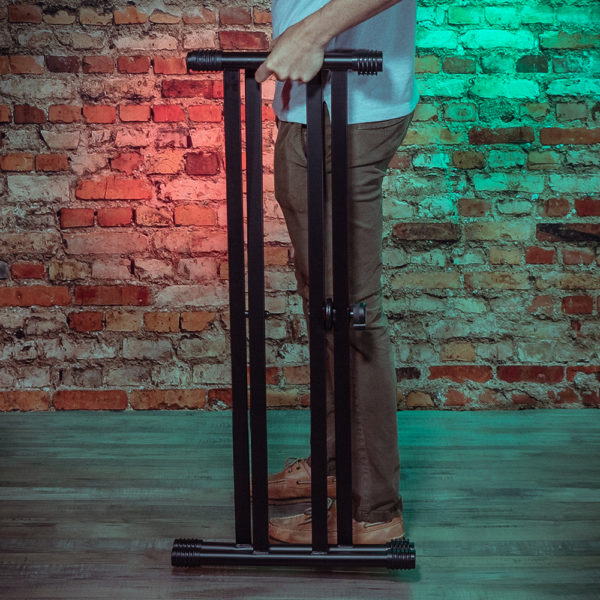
[
  {"x": 256, "y": 314},
  {"x": 237, "y": 305},
  {"x": 341, "y": 346}
]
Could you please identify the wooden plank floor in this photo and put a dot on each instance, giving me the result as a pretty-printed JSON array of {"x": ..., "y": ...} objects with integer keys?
[{"x": 499, "y": 505}]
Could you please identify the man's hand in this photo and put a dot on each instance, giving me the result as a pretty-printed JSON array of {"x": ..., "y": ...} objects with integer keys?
[{"x": 295, "y": 55}]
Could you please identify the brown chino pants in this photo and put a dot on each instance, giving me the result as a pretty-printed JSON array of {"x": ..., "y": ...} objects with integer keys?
[{"x": 371, "y": 146}]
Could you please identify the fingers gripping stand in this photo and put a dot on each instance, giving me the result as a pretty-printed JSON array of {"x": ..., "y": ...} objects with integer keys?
[{"x": 251, "y": 526}]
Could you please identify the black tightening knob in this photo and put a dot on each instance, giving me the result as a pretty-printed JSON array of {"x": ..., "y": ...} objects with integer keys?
[{"x": 358, "y": 314}]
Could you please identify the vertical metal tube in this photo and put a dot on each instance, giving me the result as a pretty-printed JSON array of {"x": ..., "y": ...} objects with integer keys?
[
  {"x": 256, "y": 314},
  {"x": 341, "y": 365},
  {"x": 237, "y": 306},
  {"x": 315, "y": 181}
]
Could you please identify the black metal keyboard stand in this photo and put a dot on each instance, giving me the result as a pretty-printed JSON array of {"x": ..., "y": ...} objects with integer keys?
[{"x": 252, "y": 545}]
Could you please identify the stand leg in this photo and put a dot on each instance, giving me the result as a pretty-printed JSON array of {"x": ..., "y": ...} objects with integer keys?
[
  {"x": 256, "y": 314},
  {"x": 237, "y": 306},
  {"x": 316, "y": 252},
  {"x": 341, "y": 366}
]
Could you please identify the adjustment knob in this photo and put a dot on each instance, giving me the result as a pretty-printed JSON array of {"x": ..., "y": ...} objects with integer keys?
[{"x": 358, "y": 314}]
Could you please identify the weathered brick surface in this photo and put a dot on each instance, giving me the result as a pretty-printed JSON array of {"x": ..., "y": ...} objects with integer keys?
[
  {"x": 90, "y": 400},
  {"x": 114, "y": 216},
  {"x": 63, "y": 64}
]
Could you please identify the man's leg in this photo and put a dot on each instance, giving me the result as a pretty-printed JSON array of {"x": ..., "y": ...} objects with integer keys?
[{"x": 376, "y": 467}]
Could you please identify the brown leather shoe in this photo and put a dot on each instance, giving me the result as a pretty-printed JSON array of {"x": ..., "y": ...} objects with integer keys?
[
  {"x": 298, "y": 529},
  {"x": 293, "y": 483}
]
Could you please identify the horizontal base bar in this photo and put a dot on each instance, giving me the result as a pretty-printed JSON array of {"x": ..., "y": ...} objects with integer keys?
[{"x": 396, "y": 554}]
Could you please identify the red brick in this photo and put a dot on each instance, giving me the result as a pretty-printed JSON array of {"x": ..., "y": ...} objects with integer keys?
[
  {"x": 401, "y": 161},
  {"x": 573, "y": 135},
  {"x": 460, "y": 373},
  {"x": 4, "y": 65},
  {"x": 24, "y": 13},
  {"x": 187, "y": 88},
  {"x": 539, "y": 256},
  {"x": 27, "y": 270},
  {"x": 5, "y": 116},
  {"x": 127, "y": 162},
  {"x": 587, "y": 207},
  {"x": 268, "y": 114},
  {"x": 218, "y": 90},
  {"x": 577, "y": 257},
  {"x": 90, "y": 400},
  {"x": 99, "y": 113},
  {"x": 299, "y": 375},
  {"x": 201, "y": 16},
  {"x": 86, "y": 321},
  {"x": 502, "y": 135},
  {"x": 23, "y": 63},
  {"x": 190, "y": 214},
  {"x": 218, "y": 397},
  {"x": 35, "y": 295},
  {"x": 129, "y": 16},
  {"x": 52, "y": 162},
  {"x": 64, "y": 113},
  {"x": 262, "y": 17},
  {"x": 115, "y": 217},
  {"x": 276, "y": 255},
  {"x": 17, "y": 161},
  {"x": 168, "y": 113},
  {"x": 161, "y": 16},
  {"x": 169, "y": 65},
  {"x": 205, "y": 113},
  {"x": 243, "y": 40},
  {"x": 234, "y": 15},
  {"x": 578, "y": 305},
  {"x": 63, "y": 64},
  {"x": 536, "y": 373},
  {"x": 197, "y": 320},
  {"x": 112, "y": 295},
  {"x": 134, "y": 112},
  {"x": 113, "y": 188},
  {"x": 202, "y": 163},
  {"x": 556, "y": 207},
  {"x": 133, "y": 64},
  {"x": 591, "y": 399},
  {"x": 25, "y": 113},
  {"x": 542, "y": 305},
  {"x": 34, "y": 400},
  {"x": 152, "y": 217},
  {"x": 586, "y": 369},
  {"x": 456, "y": 398},
  {"x": 76, "y": 217},
  {"x": 162, "y": 321},
  {"x": 98, "y": 64},
  {"x": 522, "y": 399},
  {"x": 566, "y": 396},
  {"x": 168, "y": 399}
]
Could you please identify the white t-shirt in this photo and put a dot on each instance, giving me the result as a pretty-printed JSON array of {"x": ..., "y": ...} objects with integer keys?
[{"x": 390, "y": 94}]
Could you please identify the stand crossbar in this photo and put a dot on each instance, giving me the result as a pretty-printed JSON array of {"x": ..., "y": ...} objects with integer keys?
[{"x": 251, "y": 527}]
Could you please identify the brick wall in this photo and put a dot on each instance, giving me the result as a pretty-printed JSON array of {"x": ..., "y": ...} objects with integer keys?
[{"x": 113, "y": 272}]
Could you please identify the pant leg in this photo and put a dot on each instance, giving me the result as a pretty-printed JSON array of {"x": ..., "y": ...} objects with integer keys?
[{"x": 376, "y": 470}]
